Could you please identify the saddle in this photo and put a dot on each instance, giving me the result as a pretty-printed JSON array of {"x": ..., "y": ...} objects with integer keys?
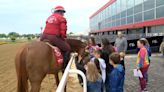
[{"x": 57, "y": 54}]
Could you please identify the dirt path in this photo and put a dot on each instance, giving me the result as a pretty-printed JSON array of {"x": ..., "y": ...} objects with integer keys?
[{"x": 8, "y": 79}]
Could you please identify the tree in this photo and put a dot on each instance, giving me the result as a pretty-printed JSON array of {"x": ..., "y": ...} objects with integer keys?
[
  {"x": 3, "y": 35},
  {"x": 13, "y": 36},
  {"x": 70, "y": 33}
]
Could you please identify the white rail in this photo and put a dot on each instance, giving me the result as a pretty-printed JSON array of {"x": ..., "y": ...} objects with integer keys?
[{"x": 66, "y": 73}]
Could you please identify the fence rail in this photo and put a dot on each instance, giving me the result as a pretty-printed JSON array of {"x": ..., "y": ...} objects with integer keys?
[{"x": 68, "y": 70}]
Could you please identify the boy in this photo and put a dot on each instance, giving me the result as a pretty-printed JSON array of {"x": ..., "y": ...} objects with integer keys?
[
  {"x": 117, "y": 75},
  {"x": 122, "y": 62}
]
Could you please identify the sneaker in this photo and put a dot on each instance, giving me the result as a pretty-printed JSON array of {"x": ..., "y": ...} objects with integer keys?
[
  {"x": 81, "y": 84},
  {"x": 145, "y": 90}
]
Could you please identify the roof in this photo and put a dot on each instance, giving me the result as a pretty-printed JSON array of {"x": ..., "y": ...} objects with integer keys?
[
  {"x": 153, "y": 22},
  {"x": 102, "y": 8}
]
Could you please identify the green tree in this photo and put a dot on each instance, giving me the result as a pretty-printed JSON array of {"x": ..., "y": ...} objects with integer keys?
[
  {"x": 70, "y": 33},
  {"x": 13, "y": 36},
  {"x": 3, "y": 35}
]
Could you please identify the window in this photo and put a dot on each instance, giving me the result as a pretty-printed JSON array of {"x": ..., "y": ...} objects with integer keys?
[
  {"x": 113, "y": 23},
  {"x": 117, "y": 22},
  {"x": 118, "y": 16},
  {"x": 156, "y": 29},
  {"x": 113, "y": 10},
  {"x": 136, "y": 31},
  {"x": 138, "y": 6},
  {"x": 109, "y": 19},
  {"x": 123, "y": 21},
  {"x": 129, "y": 11},
  {"x": 118, "y": 6},
  {"x": 113, "y": 18},
  {"x": 149, "y": 15},
  {"x": 130, "y": 4},
  {"x": 149, "y": 4},
  {"x": 160, "y": 29},
  {"x": 123, "y": 5},
  {"x": 138, "y": 17},
  {"x": 110, "y": 24},
  {"x": 159, "y": 2},
  {"x": 107, "y": 12},
  {"x": 160, "y": 12},
  {"x": 110, "y": 11},
  {"x": 130, "y": 19},
  {"x": 137, "y": 2},
  {"x": 123, "y": 14}
]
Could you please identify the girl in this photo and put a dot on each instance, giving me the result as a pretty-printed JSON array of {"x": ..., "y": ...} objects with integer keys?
[
  {"x": 143, "y": 63},
  {"x": 92, "y": 46},
  {"x": 107, "y": 49},
  {"x": 94, "y": 80}
]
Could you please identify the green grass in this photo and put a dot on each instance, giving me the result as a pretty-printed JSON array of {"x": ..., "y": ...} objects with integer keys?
[{"x": 8, "y": 41}]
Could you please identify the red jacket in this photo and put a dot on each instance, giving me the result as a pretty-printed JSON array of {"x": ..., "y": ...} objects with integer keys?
[{"x": 56, "y": 24}]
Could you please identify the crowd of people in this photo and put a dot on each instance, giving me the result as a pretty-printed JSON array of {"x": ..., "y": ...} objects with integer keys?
[{"x": 105, "y": 66}]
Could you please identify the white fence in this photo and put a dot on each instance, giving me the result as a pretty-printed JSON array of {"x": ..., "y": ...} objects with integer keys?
[{"x": 66, "y": 73}]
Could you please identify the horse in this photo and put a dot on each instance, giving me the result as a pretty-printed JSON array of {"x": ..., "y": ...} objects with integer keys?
[{"x": 35, "y": 60}]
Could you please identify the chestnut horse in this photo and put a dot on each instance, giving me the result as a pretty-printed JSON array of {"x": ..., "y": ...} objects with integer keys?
[{"x": 35, "y": 60}]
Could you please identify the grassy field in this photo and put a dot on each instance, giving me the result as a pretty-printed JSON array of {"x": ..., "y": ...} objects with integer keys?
[{"x": 8, "y": 78}]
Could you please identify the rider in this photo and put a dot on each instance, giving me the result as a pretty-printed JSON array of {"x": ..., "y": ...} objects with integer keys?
[{"x": 55, "y": 31}]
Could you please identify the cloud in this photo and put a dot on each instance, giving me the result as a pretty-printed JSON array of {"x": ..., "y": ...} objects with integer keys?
[{"x": 27, "y": 16}]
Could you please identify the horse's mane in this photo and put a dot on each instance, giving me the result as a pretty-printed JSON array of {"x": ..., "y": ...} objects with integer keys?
[{"x": 77, "y": 43}]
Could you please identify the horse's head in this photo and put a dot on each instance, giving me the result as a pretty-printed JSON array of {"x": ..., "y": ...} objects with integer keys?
[{"x": 77, "y": 46}]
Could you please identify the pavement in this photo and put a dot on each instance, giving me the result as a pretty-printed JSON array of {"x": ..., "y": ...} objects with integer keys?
[{"x": 155, "y": 72}]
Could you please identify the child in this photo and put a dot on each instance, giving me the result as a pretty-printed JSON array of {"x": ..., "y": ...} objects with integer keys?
[
  {"x": 143, "y": 64},
  {"x": 116, "y": 80},
  {"x": 97, "y": 55},
  {"x": 122, "y": 62},
  {"x": 81, "y": 61},
  {"x": 96, "y": 61},
  {"x": 94, "y": 80}
]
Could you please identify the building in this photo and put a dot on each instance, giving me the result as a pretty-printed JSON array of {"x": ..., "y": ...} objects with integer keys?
[{"x": 135, "y": 18}]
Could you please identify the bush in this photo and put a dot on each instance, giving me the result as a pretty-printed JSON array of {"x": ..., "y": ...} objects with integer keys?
[
  {"x": 13, "y": 39},
  {"x": 29, "y": 38}
]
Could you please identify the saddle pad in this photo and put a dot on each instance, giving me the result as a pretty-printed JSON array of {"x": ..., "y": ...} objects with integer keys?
[{"x": 58, "y": 55}]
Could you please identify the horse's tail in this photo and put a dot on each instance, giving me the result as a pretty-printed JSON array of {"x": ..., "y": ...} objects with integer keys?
[{"x": 21, "y": 71}]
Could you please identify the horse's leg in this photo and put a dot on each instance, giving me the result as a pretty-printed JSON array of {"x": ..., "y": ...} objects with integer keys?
[
  {"x": 57, "y": 78},
  {"x": 35, "y": 86},
  {"x": 36, "y": 80}
]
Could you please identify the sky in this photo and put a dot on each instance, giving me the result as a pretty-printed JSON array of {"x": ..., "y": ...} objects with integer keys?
[{"x": 27, "y": 16}]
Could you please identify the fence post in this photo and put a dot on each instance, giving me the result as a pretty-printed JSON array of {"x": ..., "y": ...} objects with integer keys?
[{"x": 66, "y": 73}]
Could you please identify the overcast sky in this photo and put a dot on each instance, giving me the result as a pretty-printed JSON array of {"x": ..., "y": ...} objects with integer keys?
[{"x": 27, "y": 16}]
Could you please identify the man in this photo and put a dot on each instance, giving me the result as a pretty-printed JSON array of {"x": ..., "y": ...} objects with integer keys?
[
  {"x": 162, "y": 48},
  {"x": 55, "y": 31},
  {"x": 121, "y": 43}
]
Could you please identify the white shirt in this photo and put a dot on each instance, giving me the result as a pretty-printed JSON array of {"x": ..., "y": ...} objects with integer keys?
[{"x": 102, "y": 68}]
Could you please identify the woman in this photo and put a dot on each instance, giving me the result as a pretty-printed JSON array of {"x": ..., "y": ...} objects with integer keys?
[
  {"x": 143, "y": 63},
  {"x": 92, "y": 46},
  {"x": 94, "y": 80},
  {"x": 81, "y": 61},
  {"x": 107, "y": 49}
]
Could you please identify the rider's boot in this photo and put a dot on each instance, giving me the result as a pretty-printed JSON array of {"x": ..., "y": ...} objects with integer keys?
[{"x": 66, "y": 57}]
